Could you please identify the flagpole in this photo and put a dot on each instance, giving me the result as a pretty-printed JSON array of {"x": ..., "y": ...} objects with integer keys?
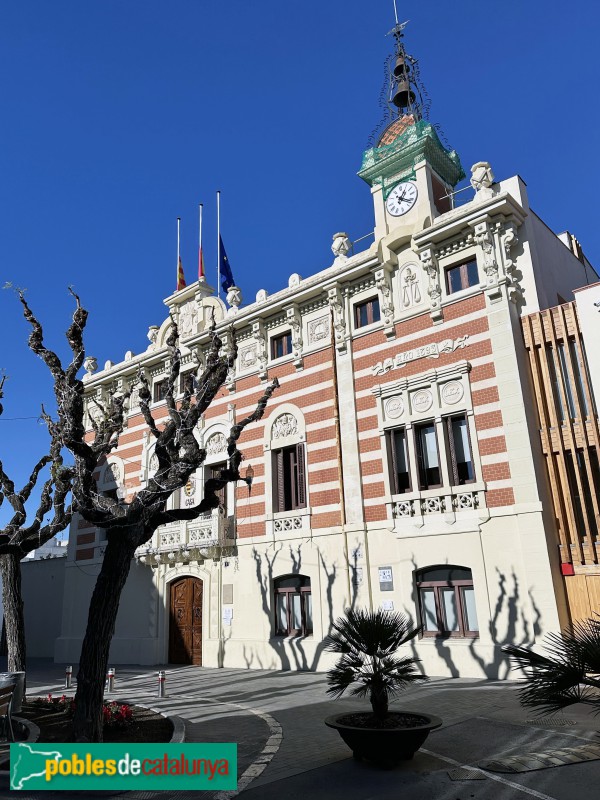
[
  {"x": 178, "y": 238},
  {"x": 218, "y": 244},
  {"x": 200, "y": 270}
]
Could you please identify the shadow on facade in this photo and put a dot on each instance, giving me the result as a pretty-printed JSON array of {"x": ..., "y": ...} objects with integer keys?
[
  {"x": 508, "y": 612},
  {"x": 291, "y": 652}
]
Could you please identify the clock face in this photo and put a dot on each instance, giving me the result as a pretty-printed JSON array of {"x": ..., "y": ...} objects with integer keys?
[{"x": 402, "y": 198}]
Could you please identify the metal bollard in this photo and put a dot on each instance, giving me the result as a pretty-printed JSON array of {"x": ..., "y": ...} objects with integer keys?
[
  {"x": 161, "y": 683},
  {"x": 110, "y": 680},
  {"x": 68, "y": 677}
]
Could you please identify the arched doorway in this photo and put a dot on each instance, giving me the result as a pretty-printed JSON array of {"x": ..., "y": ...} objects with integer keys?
[{"x": 185, "y": 621}]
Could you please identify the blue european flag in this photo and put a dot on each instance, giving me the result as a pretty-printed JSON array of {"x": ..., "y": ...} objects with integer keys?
[{"x": 226, "y": 274}]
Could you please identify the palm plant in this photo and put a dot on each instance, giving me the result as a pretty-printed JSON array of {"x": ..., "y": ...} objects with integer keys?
[
  {"x": 368, "y": 641},
  {"x": 569, "y": 673}
]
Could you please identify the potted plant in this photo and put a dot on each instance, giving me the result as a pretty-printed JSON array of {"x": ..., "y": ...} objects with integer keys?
[
  {"x": 568, "y": 673},
  {"x": 367, "y": 642}
]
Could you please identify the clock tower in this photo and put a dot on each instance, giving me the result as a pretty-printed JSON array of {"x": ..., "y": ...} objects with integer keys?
[{"x": 410, "y": 172}]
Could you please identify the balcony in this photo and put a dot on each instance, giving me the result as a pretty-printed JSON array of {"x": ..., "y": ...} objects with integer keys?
[{"x": 208, "y": 536}]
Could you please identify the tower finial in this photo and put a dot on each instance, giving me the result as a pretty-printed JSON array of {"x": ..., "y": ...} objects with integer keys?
[{"x": 402, "y": 94}]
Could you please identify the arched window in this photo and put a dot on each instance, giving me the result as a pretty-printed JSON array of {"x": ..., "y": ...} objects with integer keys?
[
  {"x": 447, "y": 601},
  {"x": 293, "y": 606}
]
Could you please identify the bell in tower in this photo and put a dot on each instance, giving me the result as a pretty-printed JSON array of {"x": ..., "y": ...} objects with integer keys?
[{"x": 403, "y": 95}]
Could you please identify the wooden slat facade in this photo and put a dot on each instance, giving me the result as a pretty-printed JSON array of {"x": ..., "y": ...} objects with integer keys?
[{"x": 569, "y": 431}]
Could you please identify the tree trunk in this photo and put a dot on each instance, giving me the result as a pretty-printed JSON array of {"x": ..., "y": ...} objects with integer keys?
[
  {"x": 14, "y": 620},
  {"x": 93, "y": 664},
  {"x": 379, "y": 700}
]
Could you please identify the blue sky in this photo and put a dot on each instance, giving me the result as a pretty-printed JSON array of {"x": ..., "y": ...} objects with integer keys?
[{"x": 120, "y": 116}]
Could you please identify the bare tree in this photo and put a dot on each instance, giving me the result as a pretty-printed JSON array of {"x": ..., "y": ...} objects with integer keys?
[
  {"x": 18, "y": 537},
  {"x": 131, "y": 524}
]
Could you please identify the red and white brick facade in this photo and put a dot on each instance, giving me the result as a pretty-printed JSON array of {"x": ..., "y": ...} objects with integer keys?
[{"x": 341, "y": 388}]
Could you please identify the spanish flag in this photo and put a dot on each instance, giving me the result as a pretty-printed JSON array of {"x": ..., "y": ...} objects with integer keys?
[
  {"x": 201, "y": 275},
  {"x": 181, "y": 284}
]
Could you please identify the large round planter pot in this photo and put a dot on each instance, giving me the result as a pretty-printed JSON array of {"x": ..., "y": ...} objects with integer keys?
[
  {"x": 386, "y": 747},
  {"x": 18, "y": 678}
]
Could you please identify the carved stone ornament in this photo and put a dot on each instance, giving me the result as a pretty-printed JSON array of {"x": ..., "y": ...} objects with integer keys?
[
  {"x": 410, "y": 288},
  {"x": 509, "y": 240},
  {"x": 248, "y": 356},
  {"x": 234, "y": 298},
  {"x": 452, "y": 392},
  {"x": 295, "y": 321},
  {"x": 113, "y": 472},
  {"x": 90, "y": 365},
  {"x": 295, "y": 280},
  {"x": 153, "y": 464},
  {"x": 260, "y": 337},
  {"x": 261, "y": 295},
  {"x": 384, "y": 285},
  {"x": 318, "y": 329},
  {"x": 422, "y": 400},
  {"x": 340, "y": 247},
  {"x": 483, "y": 237},
  {"x": 394, "y": 407},
  {"x": 188, "y": 318},
  {"x": 285, "y": 425},
  {"x": 153, "y": 334},
  {"x": 482, "y": 179},
  {"x": 433, "y": 350},
  {"x": 336, "y": 303},
  {"x": 431, "y": 267},
  {"x": 216, "y": 444}
]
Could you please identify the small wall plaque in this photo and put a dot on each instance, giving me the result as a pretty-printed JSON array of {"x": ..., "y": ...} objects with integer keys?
[{"x": 386, "y": 579}]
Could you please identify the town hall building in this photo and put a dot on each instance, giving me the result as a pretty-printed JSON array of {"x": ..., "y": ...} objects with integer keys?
[{"x": 398, "y": 466}]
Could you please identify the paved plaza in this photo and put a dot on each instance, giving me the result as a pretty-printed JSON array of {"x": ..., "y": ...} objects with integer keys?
[{"x": 488, "y": 747}]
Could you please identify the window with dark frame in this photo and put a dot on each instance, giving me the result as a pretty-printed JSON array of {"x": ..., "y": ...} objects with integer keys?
[
  {"x": 293, "y": 606},
  {"x": 428, "y": 456},
  {"x": 366, "y": 312},
  {"x": 289, "y": 478},
  {"x": 214, "y": 471},
  {"x": 188, "y": 377},
  {"x": 398, "y": 461},
  {"x": 160, "y": 390},
  {"x": 462, "y": 469},
  {"x": 447, "y": 602},
  {"x": 281, "y": 345},
  {"x": 462, "y": 276}
]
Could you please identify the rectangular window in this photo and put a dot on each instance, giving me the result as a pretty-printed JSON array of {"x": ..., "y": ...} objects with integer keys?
[
  {"x": 214, "y": 471},
  {"x": 462, "y": 277},
  {"x": 367, "y": 312},
  {"x": 398, "y": 460},
  {"x": 430, "y": 476},
  {"x": 447, "y": 602},
  {"x": 160, "y": 390},
  {"x": 461, "y": 460},
  {"x": 293, "y": 606},
  {"x": 281, "y": 345},
  {"x": 289, "y": 482},
  {"x": 189, "y": 379}
]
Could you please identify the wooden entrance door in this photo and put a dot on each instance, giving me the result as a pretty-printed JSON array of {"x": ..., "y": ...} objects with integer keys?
[{"x": 185, "y": 622}]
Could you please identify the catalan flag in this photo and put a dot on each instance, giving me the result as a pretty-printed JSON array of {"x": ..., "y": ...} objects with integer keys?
[{"x": 181, "y": 284}]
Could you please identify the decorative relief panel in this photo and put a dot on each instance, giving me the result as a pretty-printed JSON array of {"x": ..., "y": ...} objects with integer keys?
[
  {"x": 318, "y": 330},
  {"x": 188, "y": 318},
  {"x": 394, "y": 407},
  {"x": 216, "y": 444},
  {"x": 422, "y": 400},
  {"x": 410, "y": 288},
  {"x": 260, "y": 337},
  {"x": 433, "y": 350},
  {"x": 452, "y": 392},
  {"x": 285, "y": 425},
  {"x": 248, "y": 356}
]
